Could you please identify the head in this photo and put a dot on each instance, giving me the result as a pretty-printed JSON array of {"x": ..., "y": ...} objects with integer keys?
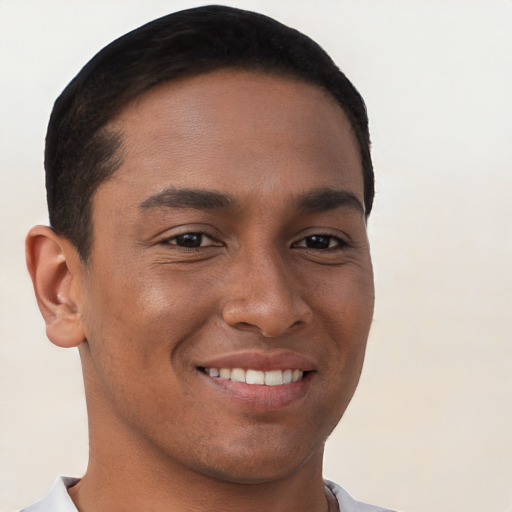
[
  {"x": 209, "y": 181},
  {"x": 82, "y": 151}
]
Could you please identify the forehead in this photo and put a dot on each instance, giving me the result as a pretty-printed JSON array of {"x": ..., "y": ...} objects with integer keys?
[{"x": 237, "y": 129}]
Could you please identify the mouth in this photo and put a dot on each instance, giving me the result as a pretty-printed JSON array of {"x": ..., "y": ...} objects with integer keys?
[
  {"x": 259, "y": 381},
  {"x": 257, "y": 377}
]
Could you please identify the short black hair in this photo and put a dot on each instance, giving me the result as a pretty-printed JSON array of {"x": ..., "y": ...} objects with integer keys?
[{"x": 81, "y": 153}]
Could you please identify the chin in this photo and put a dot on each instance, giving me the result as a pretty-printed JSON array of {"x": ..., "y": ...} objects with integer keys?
[
  {"x": 256, "y": 461},
  {"x": 258, "y": 472}
]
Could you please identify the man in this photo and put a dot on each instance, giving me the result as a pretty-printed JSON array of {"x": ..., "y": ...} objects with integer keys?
[{"x": 209, "y": 181}]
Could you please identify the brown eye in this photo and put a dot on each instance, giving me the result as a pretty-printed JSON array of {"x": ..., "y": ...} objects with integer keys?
[
  {"x": 318, "y": 242},
  {"x": 189, "y": 240},
  {"x": 321, "y": 242}
]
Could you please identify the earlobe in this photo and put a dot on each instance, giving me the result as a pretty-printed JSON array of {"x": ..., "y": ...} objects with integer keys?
[{"x": 54, "y": 266}]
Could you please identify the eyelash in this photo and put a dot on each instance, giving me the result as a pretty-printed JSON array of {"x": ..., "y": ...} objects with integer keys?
[
  {"x": 318, "y": 239},
  {"x": 340, "y": 244},
  {"x": 190, "y": 234}
]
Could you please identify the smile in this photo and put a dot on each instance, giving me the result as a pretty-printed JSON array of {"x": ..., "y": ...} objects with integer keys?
[{"x": 256, "y": 377}]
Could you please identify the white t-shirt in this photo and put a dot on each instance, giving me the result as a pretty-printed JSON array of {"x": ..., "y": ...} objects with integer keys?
[{"x": 58, "y": 500}]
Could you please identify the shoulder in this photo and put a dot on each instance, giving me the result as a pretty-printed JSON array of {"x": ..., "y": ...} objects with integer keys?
[
  {"x": 347, "y": 503},
  {"x": 57, "y": 500}
]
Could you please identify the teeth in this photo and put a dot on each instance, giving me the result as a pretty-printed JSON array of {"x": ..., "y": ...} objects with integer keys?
[
  {"x": 238, "y": 375},
  {"x": 296, "y": 375},
  {"x": 273, "y": 378},
  {"x": 256, "y": 377},
  {"x": 225, "y": 373}
]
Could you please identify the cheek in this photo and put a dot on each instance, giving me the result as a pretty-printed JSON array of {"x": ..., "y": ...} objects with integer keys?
[
  {"x": 344, "y": 311},
  {"x": 136, "y": 325},
  {"x": 148, "y": 301},
  {"x": 344, "y": 300},
  {"x": 135, "y": 330}
]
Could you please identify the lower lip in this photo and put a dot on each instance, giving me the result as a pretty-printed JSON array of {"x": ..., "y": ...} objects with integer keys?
[{"x": 262, "y": 398}]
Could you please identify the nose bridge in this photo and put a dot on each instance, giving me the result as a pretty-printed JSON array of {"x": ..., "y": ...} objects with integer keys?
[
  {"x": 269, "y": 278},
  {"x": 263, "y": 293}
]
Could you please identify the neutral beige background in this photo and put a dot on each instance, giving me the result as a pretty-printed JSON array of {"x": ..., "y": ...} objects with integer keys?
[{"x": 430, "y": 428}]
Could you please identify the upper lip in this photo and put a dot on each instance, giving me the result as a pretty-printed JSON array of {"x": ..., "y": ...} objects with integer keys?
[{"x": 262, "y": 361}]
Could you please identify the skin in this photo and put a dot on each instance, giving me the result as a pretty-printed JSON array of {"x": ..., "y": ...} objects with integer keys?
[{"x": 147, "y": 311}]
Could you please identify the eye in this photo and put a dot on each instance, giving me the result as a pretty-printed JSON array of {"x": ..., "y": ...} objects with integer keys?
[
  {"x": 321, "y": 242},
  {"x": 191, "y": 240}
]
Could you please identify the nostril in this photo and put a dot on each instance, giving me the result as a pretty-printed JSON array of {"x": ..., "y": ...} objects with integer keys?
[
  {"x": 269, "y": 316},
  {"x": 246, "y": 326}
]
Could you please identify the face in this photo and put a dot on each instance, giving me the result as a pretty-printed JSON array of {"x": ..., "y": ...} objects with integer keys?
[{"x": 230, "y": 246}]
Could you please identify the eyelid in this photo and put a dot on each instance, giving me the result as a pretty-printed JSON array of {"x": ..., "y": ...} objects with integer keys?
[
  {"x": 213, "y": 242},
  {"x": 341, "y": 243},
  {"x": 167, "y": 236},
  {"x": 344, "y": 240}
]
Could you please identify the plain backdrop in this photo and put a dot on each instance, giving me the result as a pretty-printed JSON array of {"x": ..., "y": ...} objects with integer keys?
[{"x": 430, "y": 427}]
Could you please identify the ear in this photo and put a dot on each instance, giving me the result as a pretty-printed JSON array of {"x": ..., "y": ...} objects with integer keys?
[{"x": 56, "y": 272}]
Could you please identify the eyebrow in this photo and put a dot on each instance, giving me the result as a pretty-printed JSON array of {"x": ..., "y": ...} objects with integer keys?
[
  {"x": 188, "y": 198},
  {"x": 325, "y": 199},
  {"x": 315, "y": 201}
]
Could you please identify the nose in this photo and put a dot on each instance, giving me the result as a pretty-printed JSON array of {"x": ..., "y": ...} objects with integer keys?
[{"x": 265, "y": 298}]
